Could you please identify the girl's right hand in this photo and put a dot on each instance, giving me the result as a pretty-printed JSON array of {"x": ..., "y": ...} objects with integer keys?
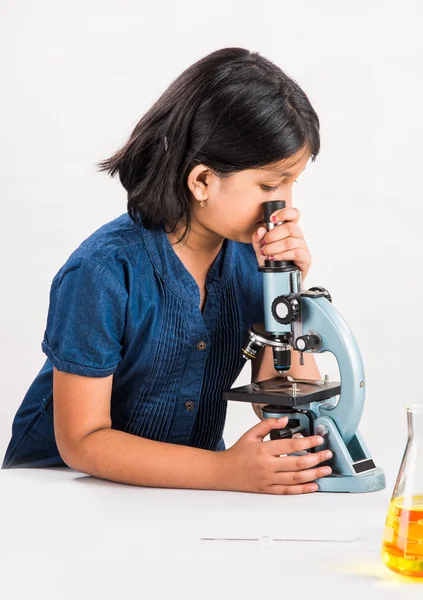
[{"x": 253, "y": 465}]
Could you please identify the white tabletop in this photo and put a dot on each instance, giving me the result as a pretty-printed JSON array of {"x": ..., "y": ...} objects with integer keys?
[{"x": 65, "y": 535}]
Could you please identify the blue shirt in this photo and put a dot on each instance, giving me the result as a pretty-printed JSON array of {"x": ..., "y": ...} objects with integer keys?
[{"x": 124, "y": 303}]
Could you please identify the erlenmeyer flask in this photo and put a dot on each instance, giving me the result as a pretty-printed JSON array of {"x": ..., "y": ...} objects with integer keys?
[{"x": 402, "y": 548}]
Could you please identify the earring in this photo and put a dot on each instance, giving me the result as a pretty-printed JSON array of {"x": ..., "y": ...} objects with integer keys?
[{"x": 202, "y": 203}]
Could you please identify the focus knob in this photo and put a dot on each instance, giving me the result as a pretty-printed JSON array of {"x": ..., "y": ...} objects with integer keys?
[
  {"x": 285, "y": 309},
  {"x": 324, "y": 292},
  {"x": 307, "y": 342}
]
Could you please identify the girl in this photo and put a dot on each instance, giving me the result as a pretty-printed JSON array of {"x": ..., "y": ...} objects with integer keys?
[{"x": 148, "y": 315}]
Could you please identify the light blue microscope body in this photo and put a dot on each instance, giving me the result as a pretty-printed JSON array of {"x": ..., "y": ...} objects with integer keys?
[{"x": 335, "y": 418}]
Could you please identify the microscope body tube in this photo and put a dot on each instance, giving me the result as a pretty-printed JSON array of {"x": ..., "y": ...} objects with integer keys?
[
  {"x": 280, "y": 278},
  {"x": 278, "y": 284}
]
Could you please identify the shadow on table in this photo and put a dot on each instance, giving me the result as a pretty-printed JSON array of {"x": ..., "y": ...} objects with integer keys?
[
  {"x": 377, "y": 572},
  {"x": 89, "y": 480}
]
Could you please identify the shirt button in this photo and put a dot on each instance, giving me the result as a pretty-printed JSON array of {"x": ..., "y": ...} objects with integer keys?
[
  {"x": 189, "y": 405},
  {"x": 201, "y": 345}
]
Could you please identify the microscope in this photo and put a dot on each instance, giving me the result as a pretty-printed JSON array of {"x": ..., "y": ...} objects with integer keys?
[{"x": 306, "y": 321}]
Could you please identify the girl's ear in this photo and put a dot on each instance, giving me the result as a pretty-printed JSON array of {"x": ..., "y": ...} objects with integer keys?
[{"x": 199, "y": 181}]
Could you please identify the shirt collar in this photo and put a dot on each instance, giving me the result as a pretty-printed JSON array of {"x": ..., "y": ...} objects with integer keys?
[{"x": 174, "y": 272}]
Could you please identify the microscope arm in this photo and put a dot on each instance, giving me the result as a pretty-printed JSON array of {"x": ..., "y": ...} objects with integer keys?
[{"x": 318, "y": 314}]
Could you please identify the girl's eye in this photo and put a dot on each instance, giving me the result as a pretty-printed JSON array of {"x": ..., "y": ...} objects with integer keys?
[{"x": 269, "y": 188}]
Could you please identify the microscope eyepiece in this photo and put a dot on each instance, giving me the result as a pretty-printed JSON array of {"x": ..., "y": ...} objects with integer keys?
[{"x": 270, "y": 207}]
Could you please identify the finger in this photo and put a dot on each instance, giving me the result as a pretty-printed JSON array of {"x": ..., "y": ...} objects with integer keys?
[
  {"x": 300, "y": 256},
  {"x": 280, "y": 246},
  {"x": 285, "y": 214},
  {"x": 299, "y": 463},
  {"x": 288, "y": 446},
  {"x": 260, "y": 233},
  {"x": 257, "y": 242},
  {"x": 298, "y": 477},
  {"x": 289, "y": 490},
  {"x": 259, "y": 431},
  {"x": 289, "y": 229}
]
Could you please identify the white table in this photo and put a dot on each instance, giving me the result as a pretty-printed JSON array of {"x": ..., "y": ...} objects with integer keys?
[{"x": 65, "y": 535}]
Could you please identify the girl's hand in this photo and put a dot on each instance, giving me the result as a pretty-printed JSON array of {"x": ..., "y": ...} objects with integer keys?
[
  {"x": 283, "y": 242},
  {"x": 252, "y": 465}
]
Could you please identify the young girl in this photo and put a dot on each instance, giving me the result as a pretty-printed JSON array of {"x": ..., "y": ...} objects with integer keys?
[{"x": 148, "y": 315}]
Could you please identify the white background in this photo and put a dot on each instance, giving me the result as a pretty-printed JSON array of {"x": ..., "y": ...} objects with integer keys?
[{"x": 76, "y": 78}]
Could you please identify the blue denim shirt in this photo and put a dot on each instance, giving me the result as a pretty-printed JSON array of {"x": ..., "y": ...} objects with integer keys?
[{"x": 124, "y": 303}]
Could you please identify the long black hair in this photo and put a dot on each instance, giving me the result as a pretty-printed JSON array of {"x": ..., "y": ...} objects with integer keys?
[{"x": 231, "y": 110}]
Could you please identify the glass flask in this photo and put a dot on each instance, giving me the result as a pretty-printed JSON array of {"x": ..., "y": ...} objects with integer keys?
[{"x": 402, "y": 548}]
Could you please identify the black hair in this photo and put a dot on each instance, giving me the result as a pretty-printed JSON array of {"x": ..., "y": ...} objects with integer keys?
[{"x": 231, "y": 110}]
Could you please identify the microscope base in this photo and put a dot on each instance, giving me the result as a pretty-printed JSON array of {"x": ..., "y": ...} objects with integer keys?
[{"x": 366, "y": 482}]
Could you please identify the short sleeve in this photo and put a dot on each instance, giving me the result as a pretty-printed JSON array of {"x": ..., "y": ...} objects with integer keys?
[{"x": 86, "y": 319}]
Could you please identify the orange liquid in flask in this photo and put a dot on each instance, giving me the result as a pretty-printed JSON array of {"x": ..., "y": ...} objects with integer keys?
[{"x": 402, "y": 548}]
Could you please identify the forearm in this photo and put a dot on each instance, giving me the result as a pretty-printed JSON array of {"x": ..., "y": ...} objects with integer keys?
[{"x": 126, "y": 458}]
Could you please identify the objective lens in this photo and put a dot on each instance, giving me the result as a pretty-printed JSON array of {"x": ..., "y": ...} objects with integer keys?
[
  {"x": 282, "y": 359},
  {"x": 252, "y": 349}
]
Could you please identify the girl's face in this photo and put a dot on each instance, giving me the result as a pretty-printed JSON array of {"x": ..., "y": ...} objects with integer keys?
[{"x": 233, "y": 205}]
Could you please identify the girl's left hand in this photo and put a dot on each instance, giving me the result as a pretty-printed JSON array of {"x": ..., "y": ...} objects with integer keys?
[{"x": 283, "y": 242}]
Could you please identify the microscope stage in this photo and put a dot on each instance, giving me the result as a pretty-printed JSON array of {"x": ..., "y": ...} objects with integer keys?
[{"x": 279, "y": 391}]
